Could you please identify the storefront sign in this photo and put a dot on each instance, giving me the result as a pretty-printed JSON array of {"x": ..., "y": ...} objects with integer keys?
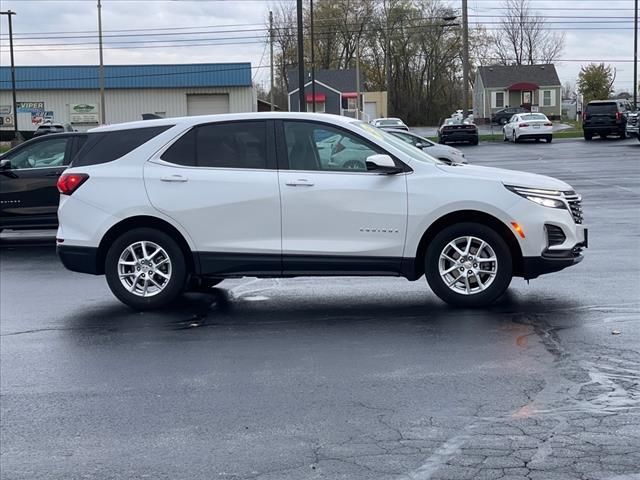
[
  {"x": 5, "y": 110},
  {"x": 84, "y": 113},
  {"x": 30, "y": 107}
]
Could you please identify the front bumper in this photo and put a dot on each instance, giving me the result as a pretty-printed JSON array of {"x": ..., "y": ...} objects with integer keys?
[{"x": 550, "y": 261}]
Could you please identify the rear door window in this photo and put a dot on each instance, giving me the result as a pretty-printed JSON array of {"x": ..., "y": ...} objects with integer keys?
[
  {"x": 103, "y": 147},
  {"x": 232, "y": 145}
]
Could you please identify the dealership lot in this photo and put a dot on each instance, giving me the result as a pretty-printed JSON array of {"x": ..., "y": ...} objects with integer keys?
[{"x": 337, "y": 378}]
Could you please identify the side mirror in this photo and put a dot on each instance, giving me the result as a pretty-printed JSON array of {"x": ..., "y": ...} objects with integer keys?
[
  {"x": 5, "y": 164},
  {"x": 382, "y": 163},
  {"x": 421, "y": 145}
]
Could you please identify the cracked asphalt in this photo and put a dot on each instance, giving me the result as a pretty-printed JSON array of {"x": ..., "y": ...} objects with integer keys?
[{"x": 341, "y": 378}]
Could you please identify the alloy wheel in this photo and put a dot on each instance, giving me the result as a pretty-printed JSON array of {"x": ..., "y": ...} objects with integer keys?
[
  {"x": 144, "y": 268},
  {"x": 468, "y": 265}
]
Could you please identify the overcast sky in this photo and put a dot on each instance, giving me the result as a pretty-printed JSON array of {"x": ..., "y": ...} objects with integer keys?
[{"x": 237, "y": 25}]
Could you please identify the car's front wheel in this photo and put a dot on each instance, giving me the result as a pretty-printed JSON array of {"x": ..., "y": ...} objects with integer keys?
[
  {"x": 145, "y": 268},
  {"x": 468, "y": 265}
]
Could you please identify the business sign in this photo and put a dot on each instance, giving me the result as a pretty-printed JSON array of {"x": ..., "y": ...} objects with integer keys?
[
  {"x": 84, "y": 113},
  {"x": 30, "y": 107},
  {"x": 5, "y": 110}
]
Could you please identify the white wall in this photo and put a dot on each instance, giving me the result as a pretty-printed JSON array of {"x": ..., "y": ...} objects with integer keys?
[{"x": 125, "y": 105}]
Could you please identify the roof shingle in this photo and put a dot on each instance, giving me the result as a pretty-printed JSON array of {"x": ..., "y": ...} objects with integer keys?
[{"x": 501, "y": 76}]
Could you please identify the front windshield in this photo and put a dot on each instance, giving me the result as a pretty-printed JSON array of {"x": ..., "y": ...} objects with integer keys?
[{"x": 413, "y": 152}]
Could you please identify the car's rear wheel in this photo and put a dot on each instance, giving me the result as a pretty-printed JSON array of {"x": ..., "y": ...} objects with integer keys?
[
  {"x": 468, "y": 265},
  {"x": 514, "y": 137},
  {"x": 145, "y": 269},
  {"x": 588, "y": 137},
  {"x": 549, "y": 139}
]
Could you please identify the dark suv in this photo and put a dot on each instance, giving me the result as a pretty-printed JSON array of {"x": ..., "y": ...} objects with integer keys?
[
  {"x": 28, "y": 175},
  {"x": 605, "y": 117},
  {"x": 502, "y": 117}
]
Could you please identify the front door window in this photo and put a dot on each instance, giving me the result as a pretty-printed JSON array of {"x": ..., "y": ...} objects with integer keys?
[
  {"x": 526, "y": 98},
  {"x": 45, "y": 154}
]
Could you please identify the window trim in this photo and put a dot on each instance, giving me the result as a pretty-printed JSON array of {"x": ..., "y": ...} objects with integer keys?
[
  {"x": 283, "y": 156},
  {"x": 269, "y": 137}
]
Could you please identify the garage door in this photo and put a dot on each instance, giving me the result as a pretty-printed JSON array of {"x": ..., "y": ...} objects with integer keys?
[
  {"x": 207, "y": 104},
  {"x": 370, "y": 110}
]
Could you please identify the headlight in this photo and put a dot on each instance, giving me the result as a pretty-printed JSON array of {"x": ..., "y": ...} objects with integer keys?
[{"x": 546, "y": 198}]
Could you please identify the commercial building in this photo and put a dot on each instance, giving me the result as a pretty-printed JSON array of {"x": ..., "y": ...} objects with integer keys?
[{"x": 70, "y": 94}]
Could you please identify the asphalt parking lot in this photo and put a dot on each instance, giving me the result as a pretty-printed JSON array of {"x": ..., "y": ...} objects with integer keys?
[{"x": 346, "y": 378}]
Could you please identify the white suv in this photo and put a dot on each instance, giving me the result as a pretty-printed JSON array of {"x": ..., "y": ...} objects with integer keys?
[{"x": 162, "y": 206}]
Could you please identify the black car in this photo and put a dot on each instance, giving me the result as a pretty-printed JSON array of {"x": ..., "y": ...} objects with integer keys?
[
  {"x": 605, "y": 117},
  {"x": 28, "y": 176},
  {"x": 502, "y": 117},
  {"x": 456, "y": 130}
]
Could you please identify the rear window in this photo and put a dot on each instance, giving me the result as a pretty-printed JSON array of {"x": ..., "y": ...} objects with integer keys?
[
  {"x": 597, "y": 108},
  {"x": 103, "y": 147}
]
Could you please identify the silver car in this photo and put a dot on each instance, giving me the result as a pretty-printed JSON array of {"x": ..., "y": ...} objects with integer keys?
[{"x": 444, "y": 153}]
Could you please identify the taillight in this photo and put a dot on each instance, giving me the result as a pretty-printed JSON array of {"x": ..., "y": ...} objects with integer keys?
[
  {"x": 523, "y": 125},
  {"x": 548, "y": 124},
  {"x": 618, "y": 116},
  {"x": 70, "y": 182},
  {"x": 584, "y": 115}
]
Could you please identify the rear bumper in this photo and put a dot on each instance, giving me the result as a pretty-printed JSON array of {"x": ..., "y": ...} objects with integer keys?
[
  {"x": 525, "y": 136},
  {"x": 79, "y": 259},
  {"x": 459, "y": 137},
  {"x": 605, "y": 129}
]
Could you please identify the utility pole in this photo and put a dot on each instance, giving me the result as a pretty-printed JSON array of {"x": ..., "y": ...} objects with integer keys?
[
  {"x": 103, "y": 115},
  {"x": 635, "y": 60},
  {"x": 16, "y": 134},
  {"x": 313, "y": 59},
  {"x": 358, "y": 78},
  {"x": 303, "y": 106},
  {"x": 388, "y": 60},
  {"x": 465, "y": 59},
  {"x": 271, "y": 46}
]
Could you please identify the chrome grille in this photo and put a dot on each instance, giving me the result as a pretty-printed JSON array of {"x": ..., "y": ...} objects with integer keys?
[
  {"x": 633, "y": 119},
  {"x": 575, "y": 205}
]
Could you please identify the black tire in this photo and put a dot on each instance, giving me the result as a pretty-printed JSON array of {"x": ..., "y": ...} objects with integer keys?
[
  {"x": 178, "y": 275},
  {"x": 475, "y": 142},
  {"x": 496, "y": 243},
  {"x": 514, "y": 137},
  {"x": 588, "y": 137},
  {"x": 537, "y": 140},
  {"x": 549, "y": 139}
]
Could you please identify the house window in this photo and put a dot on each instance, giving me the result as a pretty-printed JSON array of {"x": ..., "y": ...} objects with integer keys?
[
  {"x": 499, "y": 99},
  {"x": 547, "y": 98},
  {"x": 352, "y": 103},
  {"x": 320, "y": 107}
]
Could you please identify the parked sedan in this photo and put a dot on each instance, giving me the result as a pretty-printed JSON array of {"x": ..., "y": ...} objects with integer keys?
[
  {"x": 28, "y": 175},
  {"x": 444, "y": 153},
  {"x": 528, "y": 126},
  {"x": 456, "y": 130},
  {"x": 389, "y": 123}
]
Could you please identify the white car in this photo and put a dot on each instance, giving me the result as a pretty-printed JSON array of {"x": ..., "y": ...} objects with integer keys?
[
  {"x": 387, "y": 123},
  {"x": 160, "y": 206},
  {"x": 528, "y": 126},
  {"x": 443, "y": 153}
]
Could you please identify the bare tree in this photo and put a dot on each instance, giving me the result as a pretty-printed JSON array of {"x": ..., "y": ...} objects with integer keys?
[{"x": 523, "y": 38}]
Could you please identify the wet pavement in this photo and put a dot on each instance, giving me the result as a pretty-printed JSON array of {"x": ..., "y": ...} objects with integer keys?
[{"x": 350, "y": 378}]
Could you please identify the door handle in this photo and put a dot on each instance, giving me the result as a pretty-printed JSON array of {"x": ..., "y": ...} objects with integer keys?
[
  {"x": 173, "y": 178},
  {"x": 300, "y": 183}
]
